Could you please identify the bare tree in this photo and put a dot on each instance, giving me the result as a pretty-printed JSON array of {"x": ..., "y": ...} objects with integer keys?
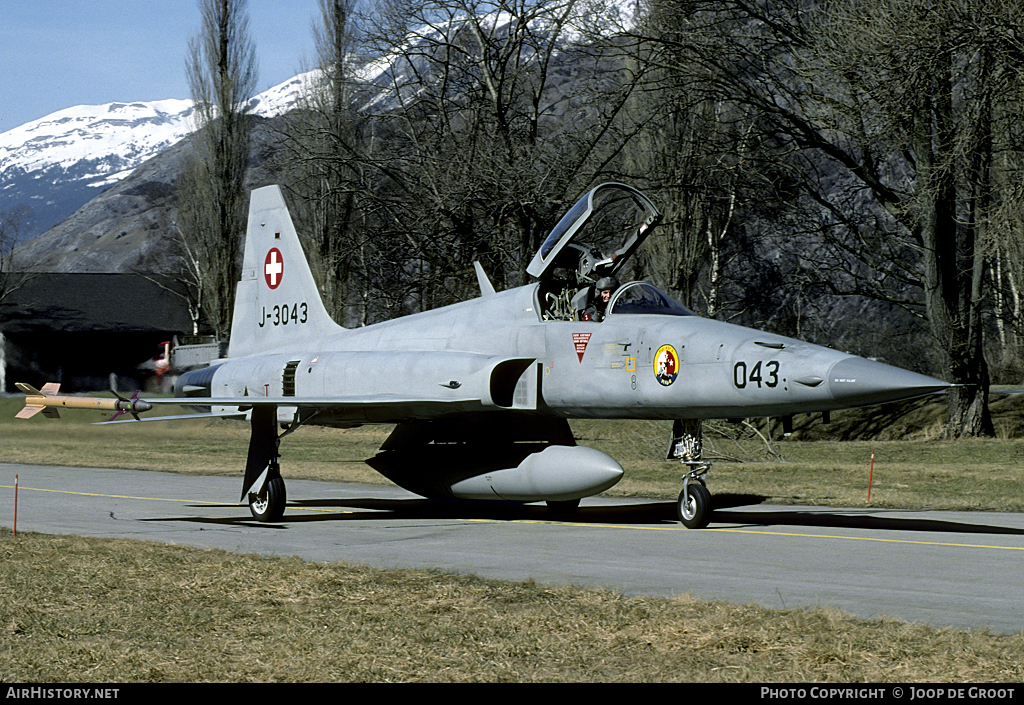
[
  {"x": 323, "y": 157},
  {"x": 940, "y": 82},
  {"x": 505, "y": 111},
  {"x": 12, "y": 226},
  {"x": 703, "y": 156},
  {"x": 221, "y": 71},
  {"x": 689, "y": 160},
  {"x": 889, "y": 118}
]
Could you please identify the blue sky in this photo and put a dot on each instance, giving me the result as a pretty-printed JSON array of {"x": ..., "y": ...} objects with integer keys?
[{"x": 58, "y": 53}]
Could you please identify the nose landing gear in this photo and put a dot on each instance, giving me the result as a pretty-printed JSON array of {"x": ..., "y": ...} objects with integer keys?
[{"x": 694, "y": 504}]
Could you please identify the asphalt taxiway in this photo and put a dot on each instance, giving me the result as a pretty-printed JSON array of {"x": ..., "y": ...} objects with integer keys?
[{"x": 958, "y": 569}]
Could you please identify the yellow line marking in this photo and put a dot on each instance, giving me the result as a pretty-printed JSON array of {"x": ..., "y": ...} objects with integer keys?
[
  {"x": 114, "y": 496},
  {"x": 159, "y": 499},
  {"x": 766, "y": 533},
  {"x": 579, "y": 524},
  {"x": 871, "y": 538}
]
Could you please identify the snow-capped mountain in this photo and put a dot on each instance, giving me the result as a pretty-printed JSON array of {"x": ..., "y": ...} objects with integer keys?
[
  {"x": 122, "y": 132},
  {"x": 59, "y": 162}
]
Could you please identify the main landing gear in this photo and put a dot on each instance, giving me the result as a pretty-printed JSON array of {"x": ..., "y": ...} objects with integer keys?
[
  {"x": 263, "y": 486},
  {"x": 269, "y": 504},
  {"x": 694, "y": 504}
]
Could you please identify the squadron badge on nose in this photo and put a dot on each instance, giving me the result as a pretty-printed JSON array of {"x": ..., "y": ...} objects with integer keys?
[{"x": 666, "y": 365}]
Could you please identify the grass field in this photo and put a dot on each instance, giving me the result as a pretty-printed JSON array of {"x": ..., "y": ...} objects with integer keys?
[{"x": 75, "y": 609}]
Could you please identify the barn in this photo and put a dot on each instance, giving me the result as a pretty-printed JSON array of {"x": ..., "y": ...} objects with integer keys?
[{"x": 78, "y": 329}]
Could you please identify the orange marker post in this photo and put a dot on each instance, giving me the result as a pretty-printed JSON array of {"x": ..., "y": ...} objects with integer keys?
[{"x": 871, "y": 473}]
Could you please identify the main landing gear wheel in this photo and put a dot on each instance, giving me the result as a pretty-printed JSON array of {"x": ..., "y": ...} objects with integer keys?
[
  {"x": 268, "y": 505},
  {"x": 694, "y": 506}
]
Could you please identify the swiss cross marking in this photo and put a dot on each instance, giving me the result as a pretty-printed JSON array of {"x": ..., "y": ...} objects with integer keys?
[{"x": 273, "y": 268}]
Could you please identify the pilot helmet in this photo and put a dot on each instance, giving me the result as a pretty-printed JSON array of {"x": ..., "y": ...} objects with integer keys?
[{"x": 609, "y": 283}]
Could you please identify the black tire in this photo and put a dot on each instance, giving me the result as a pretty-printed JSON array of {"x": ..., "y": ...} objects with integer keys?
[
  {"x": 694, "y": 511},
  {"x": 564, "y": 509},
  {"x": 269, "y": 504}
]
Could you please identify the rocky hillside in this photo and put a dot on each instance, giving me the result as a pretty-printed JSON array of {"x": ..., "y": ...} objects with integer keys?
[{"x": 130, "y": 227}]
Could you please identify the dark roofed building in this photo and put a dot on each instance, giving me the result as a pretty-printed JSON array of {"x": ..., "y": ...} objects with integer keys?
[{"x": 77, "y": 329}]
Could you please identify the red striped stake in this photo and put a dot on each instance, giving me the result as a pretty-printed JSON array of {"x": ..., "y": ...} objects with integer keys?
[
  {"x": 15, "y": 532},
  {"x": 871, "y": 473}
]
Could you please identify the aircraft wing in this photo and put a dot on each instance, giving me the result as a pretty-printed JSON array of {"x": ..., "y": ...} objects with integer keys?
[
  {"x": 180, "y": 417},
  {"x": 469, "y": 384},
  {"x": 348, "y": 387},
  {"x": 383, "y": 408}
]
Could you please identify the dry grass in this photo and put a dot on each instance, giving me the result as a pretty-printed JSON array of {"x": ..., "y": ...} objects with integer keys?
[
  {"x": 975, "y": 474},
  {"x": 76, "y": 609}
]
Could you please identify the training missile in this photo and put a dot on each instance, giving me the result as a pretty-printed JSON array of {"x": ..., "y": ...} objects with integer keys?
[{"x": 48, "y": 401}]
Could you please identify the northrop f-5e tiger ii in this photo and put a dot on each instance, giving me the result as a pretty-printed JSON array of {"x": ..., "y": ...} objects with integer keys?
[{"x": 481, "y": 392}]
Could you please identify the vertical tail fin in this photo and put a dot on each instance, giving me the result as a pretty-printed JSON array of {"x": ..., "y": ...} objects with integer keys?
[{"x": 277, "y": 303}]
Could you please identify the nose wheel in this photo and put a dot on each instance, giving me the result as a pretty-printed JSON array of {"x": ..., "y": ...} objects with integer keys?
[
  {"x": 694, "y": 504},
  {"x": 694, "y": 507}
]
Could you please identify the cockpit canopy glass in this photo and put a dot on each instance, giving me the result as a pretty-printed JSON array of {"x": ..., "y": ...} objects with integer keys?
[
  {"x": 593, "y": 245},
  {"x": 597, "y": 236},
  {"x": 642, "y": 297}
]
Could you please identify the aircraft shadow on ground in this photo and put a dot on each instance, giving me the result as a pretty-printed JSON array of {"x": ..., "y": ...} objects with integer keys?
[
  {"x": 727, "y": 510},
  {"x": 856, "y": 519},
  {"x": 382, "y": 510}
]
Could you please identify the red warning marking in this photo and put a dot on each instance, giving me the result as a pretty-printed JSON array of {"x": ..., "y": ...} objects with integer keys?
[{"x": 580, "y": 340}]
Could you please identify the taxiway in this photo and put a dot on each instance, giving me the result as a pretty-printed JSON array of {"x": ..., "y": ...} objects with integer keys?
[{"x": 958, "y": 569}]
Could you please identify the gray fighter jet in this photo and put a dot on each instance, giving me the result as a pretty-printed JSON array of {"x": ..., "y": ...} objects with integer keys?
[{"x": 481, "y": 391}]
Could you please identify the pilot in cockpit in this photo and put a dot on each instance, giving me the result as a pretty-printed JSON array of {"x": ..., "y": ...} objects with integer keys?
[{"x": 604, "y": 289}]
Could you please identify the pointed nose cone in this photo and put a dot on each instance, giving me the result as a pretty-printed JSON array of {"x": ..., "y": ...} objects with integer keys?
[{"x": 855, "y": 381}]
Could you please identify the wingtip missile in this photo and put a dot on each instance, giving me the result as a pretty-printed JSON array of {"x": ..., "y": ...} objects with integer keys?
[{"x": 48, "y": 401}]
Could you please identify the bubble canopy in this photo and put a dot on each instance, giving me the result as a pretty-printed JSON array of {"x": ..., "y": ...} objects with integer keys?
[
  {"x": 644, "y": 297},
  {"x": 598, "y": 235}
]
